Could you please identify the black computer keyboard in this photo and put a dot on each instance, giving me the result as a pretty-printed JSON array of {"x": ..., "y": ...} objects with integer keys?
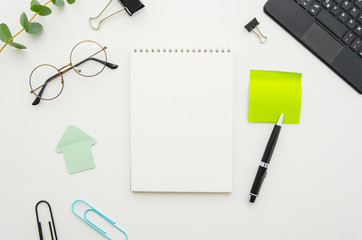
[
  {"x": 342, "y": 17},
  {"x": 330, "y": 29}
]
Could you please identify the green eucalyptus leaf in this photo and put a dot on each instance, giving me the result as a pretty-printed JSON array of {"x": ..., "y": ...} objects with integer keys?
[
  {"x": 70, "y": 1},
  {"x": 35, "y": 6},
  {"x": 58, "y": 3},
  {"x": 16, "y": 45},
  {"x": 5, "y": 34},
  {"x": 35, "y": 27},
  {"x": 45, "y": 11},
  {"x": 24, "y": 21},
  {"x": 34, "y": 2}
]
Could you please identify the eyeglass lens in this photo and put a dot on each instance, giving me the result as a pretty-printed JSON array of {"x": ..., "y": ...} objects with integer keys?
[
  {"x": 46, "y": 82},
  {"x": 88, "y": 58}
]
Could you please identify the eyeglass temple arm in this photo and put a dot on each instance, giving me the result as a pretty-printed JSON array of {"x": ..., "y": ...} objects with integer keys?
[
  {"x": 108, "y": 64},
  {"x": 38, "y": 97}
]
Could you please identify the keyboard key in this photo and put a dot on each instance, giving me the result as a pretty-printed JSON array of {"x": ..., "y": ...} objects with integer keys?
[
  {"x": 343, "y": 17},
  {"x": 357, "y": 44},
  {"x": 338, "y": 1},
  {"x": 305, "y": 3},
  {"x": 314, "y": 9},
  {"x": 360, "y": 52},
  {"x": 359, "y": 19},
  {"x": 346, "y": 5},
  {"x": 327, "y": 4},
  {"x": 358, "y": 3},
  {"x": 354, "y": 12},
  {"x": 351, "y": 23},
  {"x": 330, "y": 22},
  {"x": 348, "y": 38},
  {"x": 358, "y": 31},
  {"x": 335, "y": 10}
]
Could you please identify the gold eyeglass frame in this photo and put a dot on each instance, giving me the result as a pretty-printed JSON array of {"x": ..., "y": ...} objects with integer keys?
[{"x": 68, "y": 68}]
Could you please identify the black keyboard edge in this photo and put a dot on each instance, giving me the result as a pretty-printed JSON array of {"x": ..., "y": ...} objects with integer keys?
[{"x": 300, "y": 40}]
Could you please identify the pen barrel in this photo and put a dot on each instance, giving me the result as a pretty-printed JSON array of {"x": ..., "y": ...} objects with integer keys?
[
  {"x": 271, "y": 144},
  {"x": 262, "y": 170},
  {"x": 258, "y": 181}
]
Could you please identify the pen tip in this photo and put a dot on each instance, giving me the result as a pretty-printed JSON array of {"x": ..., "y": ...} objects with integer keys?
[
  {"x": 252, "y": 198},
  {"x": 280, "y": 121}
]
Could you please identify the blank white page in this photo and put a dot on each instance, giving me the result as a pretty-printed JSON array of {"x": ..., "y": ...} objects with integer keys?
[{"x": 181, "y": 120}]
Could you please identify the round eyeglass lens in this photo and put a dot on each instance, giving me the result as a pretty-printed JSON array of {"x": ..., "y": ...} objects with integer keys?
[
  {"x": 46, "y": 82},
  {"x": 88, "y": 58}
]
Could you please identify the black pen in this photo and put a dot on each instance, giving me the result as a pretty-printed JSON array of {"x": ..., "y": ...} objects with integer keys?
[{"x": 262, "y": 170}]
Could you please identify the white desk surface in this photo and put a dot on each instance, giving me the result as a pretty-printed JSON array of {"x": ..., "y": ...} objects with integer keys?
[{"x": 313, "y": 189}]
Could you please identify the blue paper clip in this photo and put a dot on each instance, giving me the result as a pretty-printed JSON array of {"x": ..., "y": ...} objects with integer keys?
[{"x": 86, "y": 220}]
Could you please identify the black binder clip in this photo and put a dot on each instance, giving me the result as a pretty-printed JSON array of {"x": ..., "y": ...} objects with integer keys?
[
  {"x": 130, "y": 6},
  {"x": 53, "y": 232},
  {"x": 251, "y": 27}
]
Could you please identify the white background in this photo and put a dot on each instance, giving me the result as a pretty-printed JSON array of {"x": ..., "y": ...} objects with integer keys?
[{"x": 313, "y": 189}]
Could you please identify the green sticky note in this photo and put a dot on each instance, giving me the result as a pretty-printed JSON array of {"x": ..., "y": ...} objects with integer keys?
[
  {"x": 272, "y": 93},
  {"x": 76, "y": 147}
]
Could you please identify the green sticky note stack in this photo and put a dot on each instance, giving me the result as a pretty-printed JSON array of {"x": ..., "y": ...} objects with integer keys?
[{"x": 272, "y": 93}]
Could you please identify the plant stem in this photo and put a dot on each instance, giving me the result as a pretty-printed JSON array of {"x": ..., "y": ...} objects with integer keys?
[{"x": 31, "y": 19}]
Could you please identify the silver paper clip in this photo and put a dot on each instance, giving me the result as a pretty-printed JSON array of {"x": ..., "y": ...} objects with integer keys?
[
  {"x": 251, "y": 26},
  {"x": 86, "y": 220},
  {"x": 130, "y": 6},
  {"x": 53, "y": 232}
]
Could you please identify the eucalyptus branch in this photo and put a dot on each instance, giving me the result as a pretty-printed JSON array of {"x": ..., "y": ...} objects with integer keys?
[
  {"x": 22, "y": 28},
  {"x": 28, "y": 25}
]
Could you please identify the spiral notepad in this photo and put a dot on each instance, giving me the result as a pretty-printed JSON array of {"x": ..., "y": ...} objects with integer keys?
[{"x": 181, "y": 119}]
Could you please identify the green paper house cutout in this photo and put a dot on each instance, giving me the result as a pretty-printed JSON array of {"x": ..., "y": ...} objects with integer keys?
[{"x": 76, "y": 147}]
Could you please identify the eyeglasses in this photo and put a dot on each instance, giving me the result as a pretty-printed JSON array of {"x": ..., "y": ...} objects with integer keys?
[{"x": 87, "y": 58}]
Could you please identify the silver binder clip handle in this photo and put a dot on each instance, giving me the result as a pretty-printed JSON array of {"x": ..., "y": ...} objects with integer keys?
[
  {"x": 92, "y": 19},
  {"x": 262, "y": 37}
]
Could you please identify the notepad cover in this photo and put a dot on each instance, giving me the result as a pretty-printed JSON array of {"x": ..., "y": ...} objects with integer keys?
[{"x": 181, "y": 120}]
